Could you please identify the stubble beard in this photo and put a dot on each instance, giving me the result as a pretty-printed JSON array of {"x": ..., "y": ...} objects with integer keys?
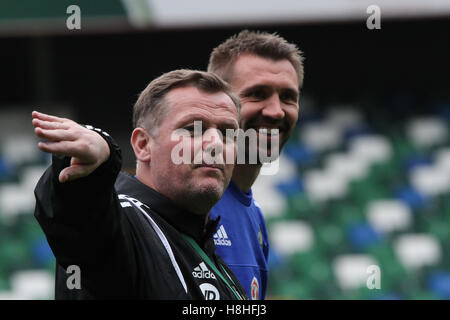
[{"x": 199, "y": 198}]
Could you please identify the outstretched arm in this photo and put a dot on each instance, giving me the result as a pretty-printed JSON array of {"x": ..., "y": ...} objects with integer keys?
[{"x": 77, "y": 205}]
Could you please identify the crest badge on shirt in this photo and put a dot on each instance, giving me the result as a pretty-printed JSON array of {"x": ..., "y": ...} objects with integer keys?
[{"x": 254, "y": 289}]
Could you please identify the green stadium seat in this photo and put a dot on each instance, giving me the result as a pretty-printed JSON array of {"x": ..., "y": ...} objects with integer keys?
[
  {"x": 330, "y": 239},
  {"x": 14, "y": 254},
  {"x": 387, "y": 171},
  {"x": 295, "y": 290},
  {"x": 29, "y": 228},
  {"x": 440, "y": 229},
  {"x": 300, "y": 206},
  {"x": 350, "y": 295},
  {"x": 346, "y": 214},
  {"x": 312, "y": 265},
  {"x": 402, "y": 146},
  {"x": 366, "y": 190},
  {"x": 4, "y": 283},
  {"x": 420, "y": 294},
  {"x": 392, "y": 271}
]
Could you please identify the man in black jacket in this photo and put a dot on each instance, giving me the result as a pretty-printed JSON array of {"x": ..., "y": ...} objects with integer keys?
[{"x": 148, "y": 236}]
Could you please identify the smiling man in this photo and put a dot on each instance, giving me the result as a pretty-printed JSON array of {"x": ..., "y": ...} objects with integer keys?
[
  {"x": 148, "y": 236},
  {"x": 266, "y": 72}
]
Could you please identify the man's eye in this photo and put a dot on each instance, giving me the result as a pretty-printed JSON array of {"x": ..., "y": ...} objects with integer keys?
[
  {"x": 228, "y": 135},
  {"x": 288, "y": 97},
  {"x": 231, "y": 139},
  {"x": 193, "y": 132},
  {"x": 259, "y": 94}
]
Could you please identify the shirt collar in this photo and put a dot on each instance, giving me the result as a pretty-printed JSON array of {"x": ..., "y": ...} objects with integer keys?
[
  {"x": 243, "y": 197},
  {"x": 181, "y": 219}
]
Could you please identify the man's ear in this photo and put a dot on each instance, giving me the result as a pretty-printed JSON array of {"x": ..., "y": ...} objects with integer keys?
[{"x": 141, "y": 141}]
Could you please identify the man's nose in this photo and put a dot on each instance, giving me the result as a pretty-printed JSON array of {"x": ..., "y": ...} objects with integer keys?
[
  {"x": 213, "y": 142},
  {"x": 272, "y": 108}
]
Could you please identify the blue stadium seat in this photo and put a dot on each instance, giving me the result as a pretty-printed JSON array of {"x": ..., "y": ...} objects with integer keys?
[
  {"x": 41, "y": 252},
  {"x": 299, "y": 153},
  {"x": 291, "y": 187},
  {"x": 356, "y": 131},
  {"x": 362, "y": 236},
  {"x": 6, "y": 170},
  {"x": 439, "y": 284},
  {"x": 411, "y": 197},
  {"x": 416, "y": 160}
]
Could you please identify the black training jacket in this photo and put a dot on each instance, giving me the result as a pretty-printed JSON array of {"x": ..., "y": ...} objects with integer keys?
[{"x": 125, "y": 238}]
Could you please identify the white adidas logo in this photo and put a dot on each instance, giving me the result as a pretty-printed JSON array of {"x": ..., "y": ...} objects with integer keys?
[
  {"x": 221, "y": 237},
  {"x": 202, "y": 272}
]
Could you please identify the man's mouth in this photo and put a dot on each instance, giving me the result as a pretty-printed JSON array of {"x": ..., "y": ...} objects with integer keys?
[
  {"x": 268, "y": 129},
  {"x": 268, "y": 132},
  {"x": 217, "y": 166}
]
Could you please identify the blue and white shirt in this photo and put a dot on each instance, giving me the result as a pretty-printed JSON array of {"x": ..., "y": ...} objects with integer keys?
[{"x": 241, "y": 239}]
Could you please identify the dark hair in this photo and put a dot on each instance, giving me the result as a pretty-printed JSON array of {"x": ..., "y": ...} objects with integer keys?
[
  {"x": 150, "y": 103},
  {"x": 263, "y": 44}
]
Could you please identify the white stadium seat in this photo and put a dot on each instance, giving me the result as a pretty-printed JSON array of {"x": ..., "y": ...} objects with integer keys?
[
  {"x": 33, "y": 284},
  {"x": 323, "y": 185},
  {"x": 427, "y": 131},
  {"x": 288, "y": 237},
  {"x": 30, "y": 177},
  {"x": 15, "y": 199},
  {"x": 371, "y": 148},
  {"x": 269, "y": 199},
  {"x": 442, "y": 160},
  {"x": 344, "y": 116},
  {"x": 430, "y": 180},
  {"x": 388, "y": 215},
  {"x": 346, "y": 166},
  {"x": 417, "y": 250},
  {"x": 351, "y": 270},
  {"x": 20, "y": 149},
  {"x": 321, "y": 136}
]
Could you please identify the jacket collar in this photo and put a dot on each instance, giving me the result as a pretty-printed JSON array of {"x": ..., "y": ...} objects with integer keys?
[{"x": 181, "y": 219}]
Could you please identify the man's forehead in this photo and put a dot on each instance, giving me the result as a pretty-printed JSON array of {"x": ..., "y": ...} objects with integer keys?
[
  {"x": 193, "y": 95},
  {"x": 251, "y": 70},
  {"x": 191, "y": 100}
]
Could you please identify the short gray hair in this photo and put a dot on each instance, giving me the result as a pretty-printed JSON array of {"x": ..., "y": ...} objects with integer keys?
[{"x": 151, "y": 101}]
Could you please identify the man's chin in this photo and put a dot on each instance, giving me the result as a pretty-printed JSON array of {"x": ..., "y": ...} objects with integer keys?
[
  {"x": 261, "y": 157},
  {"x": 263, "y": 152},
  {"x": 211, "y": 190}
]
